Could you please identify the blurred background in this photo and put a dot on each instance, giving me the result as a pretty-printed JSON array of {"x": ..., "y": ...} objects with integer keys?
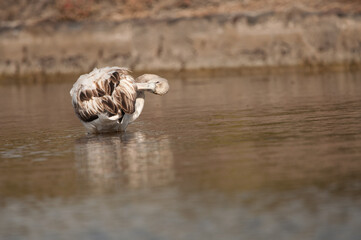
[
  {"x": 259, "y": 136},
  {"x": 66, "y": 36}
]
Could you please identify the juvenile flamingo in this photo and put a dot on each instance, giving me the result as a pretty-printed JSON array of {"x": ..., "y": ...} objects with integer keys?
[{"x": 108, "y": 99}]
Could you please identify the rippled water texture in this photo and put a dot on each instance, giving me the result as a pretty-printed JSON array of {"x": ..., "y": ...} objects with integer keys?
[{"x": 257, "y": 157}]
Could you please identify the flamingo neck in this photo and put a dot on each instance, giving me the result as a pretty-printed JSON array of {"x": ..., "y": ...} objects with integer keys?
[
  {"x": 139, "y": 104},
  {"x": 128, "y": 118}
]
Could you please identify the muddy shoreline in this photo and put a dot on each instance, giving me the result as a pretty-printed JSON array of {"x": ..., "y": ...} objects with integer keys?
[{"x": 267, "y": 40}]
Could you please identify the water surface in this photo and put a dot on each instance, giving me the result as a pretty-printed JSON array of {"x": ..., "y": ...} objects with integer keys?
[{"x": 251, "y": 157}]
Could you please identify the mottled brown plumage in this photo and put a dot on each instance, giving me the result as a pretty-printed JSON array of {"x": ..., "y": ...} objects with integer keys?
[
  {"x": 113, "y": 95},
  {"x": 108, "y": 99}
]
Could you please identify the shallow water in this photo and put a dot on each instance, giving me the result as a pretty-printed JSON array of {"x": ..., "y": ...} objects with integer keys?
[{"x": 251, "y": 157}]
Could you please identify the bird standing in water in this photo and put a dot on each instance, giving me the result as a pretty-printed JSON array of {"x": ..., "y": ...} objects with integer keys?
[{"x": 108, "y": 99}]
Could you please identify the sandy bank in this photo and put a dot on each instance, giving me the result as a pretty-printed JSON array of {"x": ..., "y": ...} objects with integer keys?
[{"x": 237, "y": 40}]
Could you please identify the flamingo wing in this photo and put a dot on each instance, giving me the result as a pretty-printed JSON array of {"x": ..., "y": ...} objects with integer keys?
[{"x": 110, "y": 91}]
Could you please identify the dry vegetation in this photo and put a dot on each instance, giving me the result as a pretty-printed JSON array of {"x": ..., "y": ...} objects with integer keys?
[{"x": 18, "y": 12}]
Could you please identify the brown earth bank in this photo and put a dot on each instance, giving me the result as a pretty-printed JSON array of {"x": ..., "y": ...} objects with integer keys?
[{"x": 67, "y": 36}]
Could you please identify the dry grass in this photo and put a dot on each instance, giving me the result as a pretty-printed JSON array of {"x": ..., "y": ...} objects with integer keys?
[{"x": 33, "y": 11}]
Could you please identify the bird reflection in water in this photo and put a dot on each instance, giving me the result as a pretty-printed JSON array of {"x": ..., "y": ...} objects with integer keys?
[{"x": 131, "y": 160}]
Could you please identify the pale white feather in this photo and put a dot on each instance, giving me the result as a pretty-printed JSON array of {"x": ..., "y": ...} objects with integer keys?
[{"x": 108, "y": 99}]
